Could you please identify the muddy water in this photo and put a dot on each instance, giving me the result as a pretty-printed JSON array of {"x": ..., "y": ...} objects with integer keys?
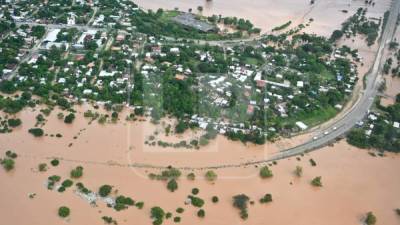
[
  {"x": 267, "y": 14},
  {"x": 354, "y": 182}
]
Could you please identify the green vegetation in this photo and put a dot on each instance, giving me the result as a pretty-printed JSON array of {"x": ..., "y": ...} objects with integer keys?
[
  {"x": 195, "y": 191},
  {"x": 201, "y": 213},
  {"x": 54, "y": 162},
  {"x": 383, "y": 134},
  {"x": 122, "y": 202},
  {"x": 8, "y": 164},
  {"x": 240, "y": 201},
  {"x": 316, "y": 182},
  {"x": 63, "y": 211},
  {"x": 211, "y": 175},
  {"x": 69, "y": 118},
  {"x": 105, "y": 190},
  {"x": 77, "y": 172},
  {"x": 265, "y": 172},
  {"x": 283, "y": 26},
  {"x": 312, "y": 162},
  {"x": 157, "y": 214},
  {"x": 37, "y": 132},
  {"x": 180, "y": 210},
  {"x": 196, "y": 201},
  {"x": 359, "y": 24},
  {"x": 177, "y": 219},
  {"x": 298, "y": 171},
  {"x": 370, "y": 219},
  {"x": 171, "y": 173},
  {"x": 191, "y": 176},
  {"x": 42, "y": 167},
  {"x": 267, "y": 198},
  {"x": 14, "y": 122},
  {"x": 109, "y": 220},
  {"x": 172, "y": 185},
  {"x": 214, "y": 199}
]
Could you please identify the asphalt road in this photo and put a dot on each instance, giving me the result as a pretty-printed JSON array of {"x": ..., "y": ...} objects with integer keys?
[
  {"x": 364, "y": 103},
  {"x": 342, "y": 125}
]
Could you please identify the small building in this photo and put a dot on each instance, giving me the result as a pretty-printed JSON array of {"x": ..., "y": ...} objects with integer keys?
[{"x": 190, "y": 20}]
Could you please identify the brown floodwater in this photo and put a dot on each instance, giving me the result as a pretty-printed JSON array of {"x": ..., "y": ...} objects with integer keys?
[
  {"x": 354, "y": 182},
  {"x": 267, "y": 14}
]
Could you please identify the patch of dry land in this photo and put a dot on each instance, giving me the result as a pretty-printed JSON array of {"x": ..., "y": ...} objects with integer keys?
[{"x": 354, "y": 182}]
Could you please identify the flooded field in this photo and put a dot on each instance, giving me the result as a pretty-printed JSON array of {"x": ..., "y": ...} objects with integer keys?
[
  {"x": 267, "y": 14},
  {"x": 105, "y": 151}
]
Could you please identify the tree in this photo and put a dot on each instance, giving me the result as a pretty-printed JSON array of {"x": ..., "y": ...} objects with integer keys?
[
  {"x": 336, "y": 35},
  {"x": 37, "y": 132},
  {"x": 370, "y": 219},
  {"x": 14, "y": 122},
  {"x": 157, "y": 214},
  {"x": 77, "y": 172},
  {"x": 191, "y": 176},
  {"x": 316, "y": 182},
  {"x": 8, "y": 164},
  {"x": 195, "y": 191},
  {"x": 197, "y": 202},
  {"x": 265, "y": 172},
  {"x": 69, "y": 118},
  {"x": 172, "y": 185},
  {"x": 211, "y": 175},
  {"x": 298, "y": 171},
  {"x": 240, "y": 201},
  {"x": 214, "y": 199},
  {"x": 105, "y": 190},
  {"x": 267, "y": 198},
  {"x": 200, "y": 8},
  {"x": 201, "y": 213},
  {"x": 63, "y": 211}
]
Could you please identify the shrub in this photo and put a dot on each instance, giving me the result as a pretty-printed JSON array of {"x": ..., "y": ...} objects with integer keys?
[
  {"x": 214, "y": 199},
  {"x": 105, "y": 190},
  {"x": 63, "y": 211},
  {"x": 139, "y": 205},
  {"x": 69, "y": 118},
  {"x": 14, "y": 122},
  {"x": 109, "y": 220},
  {"x": 42, "y": 167},
  {"x": 211, "y": 175},
  {"x": 172, "y": 185},
  {"x": 298, "y": 171},
  {"x": 8, "y": 164},
  {"x": 179, "y": 210},
  {"x": 265, "y": 172},
  {"x": 37, "y": 132},
  {"x": 77, "y": 172},
  {"x": 370, "y": 219},
  {"x": 67, "y": 183},
  {"x": 168, "y": 215},
  {"x": 267, "y": 198},
  {"x": 177, "y": 219},
  {"x": 240, "y": 202},
  {"x": 157, "y": 214},
  {"x": 191, "y": 176},
  {"x": 195, "y": 191},
  {"x": 54, "y": 162},
  {"x": 197, "y": 202},
  {"x": 398, "y": 211},
  {"x": 316, "y": 182},
  {"x": 312, "y": 162},
  {"x": 201, "y": 213},
  {"x": 11, "y": 154}
]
